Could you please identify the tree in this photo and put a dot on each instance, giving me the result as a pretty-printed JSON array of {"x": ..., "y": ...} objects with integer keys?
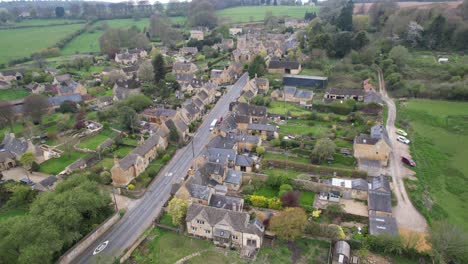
[
  {"x": 21, "y": 195},
  {"x": 345, "y": 19},
  {"x": 449, "y": 243},
  {"x": 7, "y": 114},
  {"x": 128, "y": 118},
  {"x": 330, "y": 10},
  {"x": 342, "y": 43},
  {"x": 399, "y": 54},
  {"x": 145, "y": 72},
  {"x": 284, "y": 188},
  {"x": 289, "y": 224},
  {"x": 360, "y": 40},
  {"x": 173, "y": 135},
  {"x": 435, "y": 33},
  {"x": 257, "y": 67},
  {"x": 59, "y": 11},
  {"x": 27, "y": 160},
  {"x": 260, "y": 150},
  {"x": 202, "y": 13},
  {"x": 414, "y": 34},
  {"x": 158, "y": 68},
  {"x": 114, "y": 39},
  {"x": 138, "y": 102},
  {"x": 68, "y": 107},
  {"x": 177, "y": 209},
  {"x": 35, "y": 106},
  {"x": 379, "y": 12},
  {"x": 324, "y": 148},
  {"x": 291, "y": 198}
]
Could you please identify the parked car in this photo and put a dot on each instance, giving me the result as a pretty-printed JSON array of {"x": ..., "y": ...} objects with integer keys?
[
  {"x": 401, "y": 132},
  {"x": 408, "y": 161},
  {"x": 402, "y": 139},
  {"x": 26, "y": 181}
]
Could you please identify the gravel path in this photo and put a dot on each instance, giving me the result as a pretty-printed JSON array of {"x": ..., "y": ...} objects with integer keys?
[{"x": 406, "y": 214}]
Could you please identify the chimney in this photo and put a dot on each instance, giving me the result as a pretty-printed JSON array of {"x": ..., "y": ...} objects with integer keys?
[{"x": 116, "y": 161}]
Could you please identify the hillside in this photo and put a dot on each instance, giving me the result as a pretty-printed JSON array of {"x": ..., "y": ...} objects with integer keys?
[{"x": 257, "y": 13}]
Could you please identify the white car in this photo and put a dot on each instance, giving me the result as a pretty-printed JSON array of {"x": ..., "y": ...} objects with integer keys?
[
  {"x": 401, "y": 132},
  {"x": 402, "y": 139}
]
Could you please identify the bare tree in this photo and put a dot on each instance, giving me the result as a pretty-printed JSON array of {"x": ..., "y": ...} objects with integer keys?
[
  {"x": 145, "y": 72},
  {"x": 7, "y": 114},
  {"x": 36, "y": 106}
]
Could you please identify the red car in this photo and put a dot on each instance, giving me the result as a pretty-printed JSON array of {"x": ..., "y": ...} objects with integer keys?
[{"x": 408, "y": 161}]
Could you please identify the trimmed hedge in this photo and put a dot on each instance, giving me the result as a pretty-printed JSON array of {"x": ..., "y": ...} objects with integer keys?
[{"x": 310, "y": 168}]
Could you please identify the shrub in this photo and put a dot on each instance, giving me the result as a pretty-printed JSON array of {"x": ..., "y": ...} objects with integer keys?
[
  {"x": 284, "y": 188},
  {"x": 106, "y": 177},
  {"x": 131, "y": 187},
  {"x": 275, "y": 204},
  {"x": 166, "y": 158},
  {"x": 259, "y": 201},
  {"x": 291, "y": 199}
]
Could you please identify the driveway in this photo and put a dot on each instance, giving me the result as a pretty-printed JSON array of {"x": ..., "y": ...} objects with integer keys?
[
  {"x": 407, "y": 216},
  {"x": 19, "y": 173}
]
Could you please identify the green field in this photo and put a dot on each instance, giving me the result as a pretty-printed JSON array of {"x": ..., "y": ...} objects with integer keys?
[
  {"x": 41, "y": 22},
  {"x": 19, "y": 43},
  {"x": 257, "y": 13},
  {"x": 13, "y": 94},
  {"x": 439, "y": 132}
]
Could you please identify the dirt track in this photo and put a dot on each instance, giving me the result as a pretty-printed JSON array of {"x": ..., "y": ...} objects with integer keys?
[{"x": 407, "y": 216}]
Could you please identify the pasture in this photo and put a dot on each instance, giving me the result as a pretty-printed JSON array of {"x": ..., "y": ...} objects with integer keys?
[
  {"x": 437, "y": 128},
  {"x": 44, "y": 22},
  {"x": 19, "y": 43},
  {"x": 257, "y": 13}
]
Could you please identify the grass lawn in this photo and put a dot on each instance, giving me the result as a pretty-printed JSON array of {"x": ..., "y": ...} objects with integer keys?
[
  {"x": 307, "y": 199},
  {"x": 437, "y": 129},
  {"x": 281, "y": 108},
  {"x": 106, "y": 163},
  {"x": 168, "y": 247},
  {"x": 310, "y": 251},
  {"x": 315, "y": 72},
  {"x": 284, "y": 157},
  {"x": 19, "y": 43},
  {"x": 257, "y": 13},
  {"x": 84, "y": 43},
  {"x": 56, "y": 165},
  {"x": 13, "y": 94},
  {"x": 267, "y": 192},
  {"x": 166, "y": 219},
  {"x": 289, "y": 172},
  {"x": 122, "y": 151},
  {"x": 302, "y": 127},
  {"x": 7, "y": 213},
  {"x": 94, "y": 141}
]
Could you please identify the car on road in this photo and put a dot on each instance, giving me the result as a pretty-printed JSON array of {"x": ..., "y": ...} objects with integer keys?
[
  {"x": 401, "y": 132},
  {"x": 408, "y": 161},
  {"x": 402, "y": 139}
]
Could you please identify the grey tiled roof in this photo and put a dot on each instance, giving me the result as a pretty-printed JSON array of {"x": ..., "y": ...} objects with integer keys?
[
  {"x": 364, "y": 139},
  {"x": 226, "y": 202},
  {"x": 147, "y": 145},
  {"x": 199, "y": 191},
  {"x": 380, "y": 183},
  {"x": 49, "y": 181},
  {"x": 77, "y": 164},
  {"x": 359, "y": 184},
  {"x": 379, "y": 201},
  {"x": 14, "y": 145},
  {"x": 211, "y": 168},
  {"x": 237, "y": 220},
  {"x": 343, "y": 91},
  {"x": 4, "y": 155},
  {"x": 243, "y": 160},
  {"x": 247, "y": 138},
  {"x": 58, "y": 100},
  {"x": 382, "y": 225},
  {"x": 234, "y": 176},
  {"x": 262, "y": 127},
  {"x": 227, "y": 142},
  {"x": 279, "y": 64},
  {"x": 220, "y": 155}
]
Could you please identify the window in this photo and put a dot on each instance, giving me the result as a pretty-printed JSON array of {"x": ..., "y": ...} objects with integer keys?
[
  {"x": 207, "y": 231},
  {"x": 234, "y": 237},
  {"x": 194, "y": 228},
  {"x": 200, "y": 222}
]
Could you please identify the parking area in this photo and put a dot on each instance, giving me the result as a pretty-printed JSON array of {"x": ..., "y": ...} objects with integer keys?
[
  {"x": 354, "y": 207},
  {"x": 19, "y": 173}
]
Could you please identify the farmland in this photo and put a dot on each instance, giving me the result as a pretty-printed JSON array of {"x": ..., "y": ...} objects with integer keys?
[
  {"x": 437, "y": 129},
  {"x": 257, "y": 13},
  {"x": 19, "y": 43}
]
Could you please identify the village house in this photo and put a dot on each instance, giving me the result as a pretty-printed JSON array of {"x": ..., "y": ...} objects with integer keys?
[
  {"x": 35, "y": 88},
  {"x": 130, "y": 56},
  {"x": 184, "y": 79},
  {"x": 184, "y": 51},
  {"x": 56, "y": 101},
  {"x": 295, "y": 23},
  {"x": 12, "y": 148},
  {"x": 371, "y": 148},
  {"x": 278, "y": 66},
  {"x": 233, "y": 180},
  {"x": 254, "y": 112},
  {"x": 180, "y": 126},
  {"x": 294, "y": 95},
  {"x": 219, "y": 76},
  {"x": 184, "y": 67},
  {"x": 190, "y": 112},
  {"x": 132, "y": 165},
  {"x": 226, "y": 44},
  {"x": 195, "y": 193},
  {"x": 244, "y": 163},
  {"x": 344, "y": 94},
  {"x": 379, "y": 199},
  {"x": 193, "y": 85},
  {"x": 11, "y": 75},
  {"x": 197, "y": 34},
  {"x": 242, "y": 55},
  {"x": 305, "y": 81},
  {"x": 125, "y": 88},
  {"x": 379, "y": 225},
  {"x": 235, "y": 31},
  {"x": 267, "y": 131},
  {"x": 223, "y": 201},
  {"x": 67, "y": 86},
  {"x": 47, "y": 184},
  {"x": 225, "y": 228},
  {"x": 262, "y": 85},
  {"x": 159, "y": 115}
]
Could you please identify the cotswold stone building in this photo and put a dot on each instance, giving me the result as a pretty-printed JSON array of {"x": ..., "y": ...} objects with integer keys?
[
  {"x": 225, "y": 227},
  {"x": 132, "y": 165}
]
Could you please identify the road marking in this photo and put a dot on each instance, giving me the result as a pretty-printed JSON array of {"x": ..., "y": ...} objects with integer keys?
[{"x": 101, "y": 247}]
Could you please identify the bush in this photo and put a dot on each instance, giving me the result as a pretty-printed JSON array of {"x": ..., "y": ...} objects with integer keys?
[
  {"x": 249, "y": 189},
  {"x": 166, "y": 158},
  {"x": 275, "y": 204},
  {"x": 131, "y": 187},
  {"x": 35, "y": 166},
  {"x": 106, "y": 177},
  {"x": 284, "y": 188}
]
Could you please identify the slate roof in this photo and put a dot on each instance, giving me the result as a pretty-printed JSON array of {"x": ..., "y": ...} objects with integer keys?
[
  {"x": 216, "y": 73},
  {"x": 199, "y": 191},
  {"x": 141, "y": 150},
  {"x": 241, "y": 119},
  {"x": 229, "y": 124},
  {"x": 211, "y": 168},
  {"x": 281, "y": 64},
  {"x": 184, "y": 77},
  {"x": 248, "y": 109},
  {"x": 130, "y": 84},
  {"x": 227, "y": 142},
  {"x": 344, "y": 91},
  {"x": 191, "y": 109},
  {"x": 164, "y": 112},
  {"x": 243, "y": 160},
  {"x": 234, "y": 177},
  {"x": 376, "y": 131},
  {"x": 49, "y": 181},
  {"x": 226, "y": 202},
  {"x": 359, "y": 184},
  {"x": 262, "y": 127},
  {"x": 127, "y": 161},
  {"x": 63, "y": 78},
  {"x": 4, "y": 155},
  {"x": 247, "y": 138},
  {"x": 182, "y": 66},
  {"x": 379, "y": 201},
  {"x": 372, "y": 97},
  {"x": 69, "y": 88},
  {"x": 380, "y": 183},
  {"x": 178, "y": 124},
  {"x": 77, "y": 164},
  {"x": 382, "y": 225},
  {"x": 220, "y": 155},
  {"x": 13, "y": 145},
  {"x": 58, "y": 100},
  {"x": 365, "y": 139},
  {"x": 237, "y": 220}
]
